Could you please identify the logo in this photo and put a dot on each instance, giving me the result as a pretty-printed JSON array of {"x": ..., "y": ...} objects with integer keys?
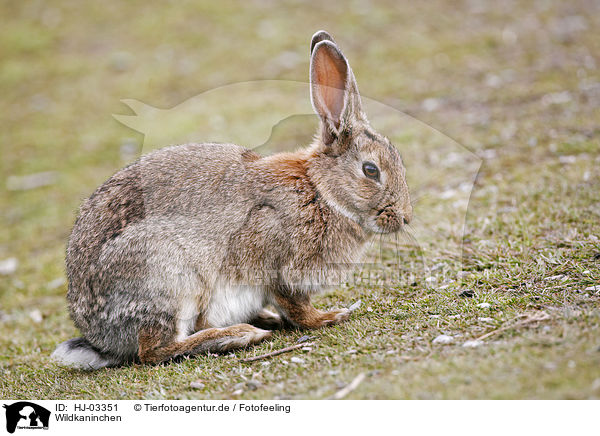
[{"x": 26, "y": 415}]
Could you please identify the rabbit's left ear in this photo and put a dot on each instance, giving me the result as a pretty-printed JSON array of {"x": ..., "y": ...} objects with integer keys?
[
  {"x": 319, "y": 36},
  {"x": 333, "y": 89}
]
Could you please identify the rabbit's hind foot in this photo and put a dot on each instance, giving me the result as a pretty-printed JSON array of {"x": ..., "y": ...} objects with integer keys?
[{"x": 155, "y": 348}]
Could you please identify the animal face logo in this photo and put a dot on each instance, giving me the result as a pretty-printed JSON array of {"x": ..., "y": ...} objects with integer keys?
[{"x": 26, "y": 415}]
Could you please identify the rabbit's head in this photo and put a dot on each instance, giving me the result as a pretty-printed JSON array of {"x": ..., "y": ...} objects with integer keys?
[{"x": 356, "y": 170}]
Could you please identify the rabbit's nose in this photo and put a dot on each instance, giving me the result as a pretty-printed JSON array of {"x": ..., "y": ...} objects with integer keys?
[{"x": 407, "y": 215}]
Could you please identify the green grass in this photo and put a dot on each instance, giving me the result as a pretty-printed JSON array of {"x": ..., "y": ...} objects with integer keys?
[{"x": 532, "y": 214}]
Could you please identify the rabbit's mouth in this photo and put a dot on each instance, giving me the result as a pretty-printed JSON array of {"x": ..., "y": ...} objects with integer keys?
[{"x": 389, "y": 220}]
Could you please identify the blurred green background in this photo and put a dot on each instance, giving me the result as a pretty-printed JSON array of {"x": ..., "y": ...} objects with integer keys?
[{"x": 515, "y": 83}]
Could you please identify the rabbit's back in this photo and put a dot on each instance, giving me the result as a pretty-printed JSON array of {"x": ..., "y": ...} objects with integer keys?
[{"x": 197, "y": 191}]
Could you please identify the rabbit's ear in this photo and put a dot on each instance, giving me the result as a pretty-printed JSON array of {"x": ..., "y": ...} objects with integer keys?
[
  {"x": 319, "y": 36},
  {"x": 333, "y": 89}
]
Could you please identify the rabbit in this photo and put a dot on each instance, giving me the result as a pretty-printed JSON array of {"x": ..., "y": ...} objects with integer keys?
[{"x": 182, "y": 251}]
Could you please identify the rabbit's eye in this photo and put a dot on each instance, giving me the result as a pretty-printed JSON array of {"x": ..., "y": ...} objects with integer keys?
[{"x": 371, "y": 170}]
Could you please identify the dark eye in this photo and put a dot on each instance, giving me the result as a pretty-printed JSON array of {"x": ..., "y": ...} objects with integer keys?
[{"x": 371, "y": 170}]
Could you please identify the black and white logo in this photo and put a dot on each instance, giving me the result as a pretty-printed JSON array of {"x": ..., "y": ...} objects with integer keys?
[{"x": 26, "y": 415}]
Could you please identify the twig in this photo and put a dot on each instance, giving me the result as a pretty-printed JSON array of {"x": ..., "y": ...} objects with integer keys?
[
  {"x": 277, "y": 352},
  {"x": 349, "y": 387},
  {"x": 415, "y": 358},
  {"x": 526, "y": 321}
]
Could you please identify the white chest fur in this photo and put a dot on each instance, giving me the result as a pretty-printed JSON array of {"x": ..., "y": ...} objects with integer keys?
[
  {"x": 187, "y": 317},
  {"x": 234, "y": 304}
]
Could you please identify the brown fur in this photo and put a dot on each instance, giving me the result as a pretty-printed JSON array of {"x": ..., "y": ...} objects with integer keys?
[
  {"x": 123, "y": 199},
  {"x": 250, "y": 156},
  {"x": 268, "y": 320},
  {"x": 298, "y": 310},
  {"x": 154, "y": 347},
  {"x": 288, "y": 167}
]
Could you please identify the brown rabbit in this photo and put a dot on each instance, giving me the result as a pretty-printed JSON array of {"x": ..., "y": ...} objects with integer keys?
[{"x": 180, "y": 252}]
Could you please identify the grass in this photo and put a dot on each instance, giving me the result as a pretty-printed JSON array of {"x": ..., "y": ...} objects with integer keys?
[{"x": 519, "y": 92}]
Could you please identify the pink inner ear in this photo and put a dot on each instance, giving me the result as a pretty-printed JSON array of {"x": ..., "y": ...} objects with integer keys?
[{"x": 330, "y": 75}]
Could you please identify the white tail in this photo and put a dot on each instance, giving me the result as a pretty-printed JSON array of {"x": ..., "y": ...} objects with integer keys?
[{"x": 78, "y": 353}]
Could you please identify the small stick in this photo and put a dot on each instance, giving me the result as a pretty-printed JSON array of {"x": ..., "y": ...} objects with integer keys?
[
  {"x": 526, "y": 321},
  {"x": 415, "y": 358},
  {"x": 349, "y": 387},
  {"x": 277, "y": 352}
]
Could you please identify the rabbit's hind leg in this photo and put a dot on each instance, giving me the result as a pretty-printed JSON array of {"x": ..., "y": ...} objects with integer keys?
[{"x": 154, "y": 347}]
